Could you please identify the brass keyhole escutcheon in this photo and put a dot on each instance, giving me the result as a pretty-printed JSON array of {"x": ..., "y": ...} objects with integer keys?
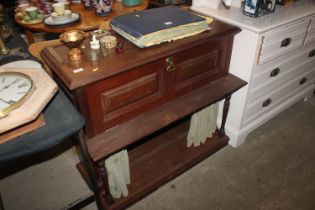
[{"x": 170, "y": 66}]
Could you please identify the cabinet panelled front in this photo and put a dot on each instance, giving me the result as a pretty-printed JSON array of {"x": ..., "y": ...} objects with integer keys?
[
  {"x": 200, "y": 65},
  {"x": 124, "y": 96},
  {"x": 283, "y": 74},
  {"x": 275, "y": 97},
  {"x": 282, "y": 78}
]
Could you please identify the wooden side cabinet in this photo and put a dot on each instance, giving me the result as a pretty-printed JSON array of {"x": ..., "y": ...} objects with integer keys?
[{"x": 141, "y": 100}]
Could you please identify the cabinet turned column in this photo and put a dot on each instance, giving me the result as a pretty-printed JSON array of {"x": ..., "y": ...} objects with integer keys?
[
  {"x": 226, "y": 107},
  {"x": 91, "y": 176},
  {"x": 103, "y": 181}
]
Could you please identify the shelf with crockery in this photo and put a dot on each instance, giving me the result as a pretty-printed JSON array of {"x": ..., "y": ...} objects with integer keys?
[{"x": 89, "y": 20}]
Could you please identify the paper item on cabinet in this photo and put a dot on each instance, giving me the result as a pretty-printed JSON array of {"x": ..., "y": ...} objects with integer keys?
[
  {"x": 118, "y": 172},
  {"x": 202, "y": 125},
  {"x": 155, "y": 26}
]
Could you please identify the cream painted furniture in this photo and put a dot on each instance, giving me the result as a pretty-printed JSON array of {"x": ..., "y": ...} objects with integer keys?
[{"x": 275, "y": 54}]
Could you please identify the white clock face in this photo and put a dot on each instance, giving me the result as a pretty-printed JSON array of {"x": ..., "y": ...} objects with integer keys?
[{"x": 14, "y": 87}]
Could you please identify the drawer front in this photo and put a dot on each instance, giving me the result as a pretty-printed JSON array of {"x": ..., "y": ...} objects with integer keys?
[
  {"x": 255, "y": 94},
  {"x": 268, "y": 102},
  {"x": 277, "y": 69},
  {"x": 280, "y": 41},
  {"x": 286, "y": 31},
  {"x": 198, "y": 66},
  {"x": 280, "y": 47},
  {"x": 124, "y": 96}
]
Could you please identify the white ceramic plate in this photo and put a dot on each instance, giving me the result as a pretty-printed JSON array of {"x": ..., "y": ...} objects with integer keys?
[{"x": 50, "y": 22}]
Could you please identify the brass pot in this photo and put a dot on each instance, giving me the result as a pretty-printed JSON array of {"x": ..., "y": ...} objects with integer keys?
[{"x": 73, "y": 39}]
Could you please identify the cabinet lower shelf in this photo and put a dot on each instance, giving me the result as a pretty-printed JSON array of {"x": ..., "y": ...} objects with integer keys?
[{"x": 160, "y": 159}]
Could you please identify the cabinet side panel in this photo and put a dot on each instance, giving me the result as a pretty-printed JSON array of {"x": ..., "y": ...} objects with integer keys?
[{"x": 245, "y": 50}]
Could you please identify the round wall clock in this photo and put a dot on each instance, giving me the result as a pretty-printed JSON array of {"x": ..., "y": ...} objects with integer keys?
[
  {"x": 25, "y": 89},
  {"x": 15, "y": 88}
]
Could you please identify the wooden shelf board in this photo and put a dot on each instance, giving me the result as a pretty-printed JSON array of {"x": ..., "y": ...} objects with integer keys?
[
  {"x": 131, "y": 131},
  {"x": 170, "y": 157}
]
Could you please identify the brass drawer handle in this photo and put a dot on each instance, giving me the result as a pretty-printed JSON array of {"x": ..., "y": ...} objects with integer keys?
[
  {"x": 267, "y": 102},
  {"x": 170, "y": 64},
  {"x": 286, "y": 42},
  {"x": 275, "y": 72}
]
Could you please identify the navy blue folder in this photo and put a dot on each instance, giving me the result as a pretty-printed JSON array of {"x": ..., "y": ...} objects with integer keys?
[{"x": 138, "y": 24}]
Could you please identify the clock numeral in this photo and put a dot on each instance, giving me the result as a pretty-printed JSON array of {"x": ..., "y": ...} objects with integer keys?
[
  {"x": 21, "y": 93},
  {"x": 16, "y": 80},
  {"x": 24, "y": 84},
  {"x": 8, "y": 102},
  {"x": 3, "y": 79}
]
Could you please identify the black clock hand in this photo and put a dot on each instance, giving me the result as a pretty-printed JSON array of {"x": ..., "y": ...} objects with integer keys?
[{"x": 8, "y": 102}]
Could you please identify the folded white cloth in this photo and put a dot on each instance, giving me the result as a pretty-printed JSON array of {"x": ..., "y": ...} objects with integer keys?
[
  {"x": 202, "y": 125},
  {"x": 118, "y": 173}
]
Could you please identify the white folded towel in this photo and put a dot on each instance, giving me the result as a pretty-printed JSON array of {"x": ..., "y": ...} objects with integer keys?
[{"x": 202, "y": 125}]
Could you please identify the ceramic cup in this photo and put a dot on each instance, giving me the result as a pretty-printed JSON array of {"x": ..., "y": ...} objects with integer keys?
[
  {"x": 59, "y": 8},
  {"x": 23, "y": 7},
  {"x": 32, "y": 12},
  {"x": 66, "y": 2},
  {"x": 102, "y": 7}
]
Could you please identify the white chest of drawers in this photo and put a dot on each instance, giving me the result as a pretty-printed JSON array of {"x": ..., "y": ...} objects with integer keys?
[{"x": 275, "y": 54}]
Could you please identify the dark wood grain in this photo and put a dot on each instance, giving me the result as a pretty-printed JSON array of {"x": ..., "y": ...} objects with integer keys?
[
  {"x": 225, "y": 112},
  {"x": 135, "y": 102},
  {"x": 124, "y": 134},
  {"x": 161, "y": 159},
  {"x": 107, "y": 94},
  {"x": 133, "y": 56}
]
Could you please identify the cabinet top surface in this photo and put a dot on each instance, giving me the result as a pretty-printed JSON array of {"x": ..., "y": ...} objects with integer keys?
[
  {"x": 116, "y": 63},
  {"x": 281, "y": 16}
]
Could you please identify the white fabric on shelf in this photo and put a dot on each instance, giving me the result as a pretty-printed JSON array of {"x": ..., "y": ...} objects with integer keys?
[
  {"x": 202, "y": 125},
  {"x": 118, "y": 173}
]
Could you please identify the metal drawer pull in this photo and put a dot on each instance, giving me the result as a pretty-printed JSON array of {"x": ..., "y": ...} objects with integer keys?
[
  {"x": 286, "y": 42},
  {"x": 267, "y": 102},
  {"x": 302, "y": 81},
  {"x": 170, "y": 64},
  {"x": 275, "y": 72},
  {"x": 312, "y": 53}
]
